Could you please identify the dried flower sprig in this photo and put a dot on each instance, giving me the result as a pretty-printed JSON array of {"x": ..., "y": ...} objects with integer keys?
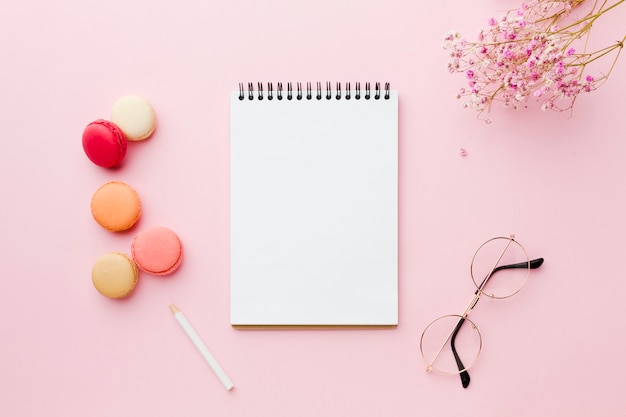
[{"x": 531, "y": 52}]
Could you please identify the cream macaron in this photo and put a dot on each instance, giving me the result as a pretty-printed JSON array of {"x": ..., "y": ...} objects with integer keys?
[
  {"x": 114, "y": 275},
  {"x": 134, "y": 116}
]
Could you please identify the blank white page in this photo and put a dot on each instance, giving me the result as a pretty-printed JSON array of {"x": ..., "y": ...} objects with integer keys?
[{"x": 314, "y": 211}]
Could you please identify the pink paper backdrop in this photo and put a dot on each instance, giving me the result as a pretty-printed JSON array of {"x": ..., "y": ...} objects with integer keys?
[{"x": 556, "y": 180}]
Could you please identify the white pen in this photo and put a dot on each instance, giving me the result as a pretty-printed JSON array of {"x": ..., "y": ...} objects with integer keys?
[{"x": 204, "y": 351}]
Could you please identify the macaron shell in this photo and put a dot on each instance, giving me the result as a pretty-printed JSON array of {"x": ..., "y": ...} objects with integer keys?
[
  {"x": 114, "y": 275},
  {"x": 135, "y": 116},
  {"x": 104, "y": 143},
  {"x": 116, "y": 206},
  {"x": 157, "y": 251}
]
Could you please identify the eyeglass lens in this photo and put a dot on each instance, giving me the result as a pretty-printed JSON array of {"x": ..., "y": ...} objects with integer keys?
[
  {"x": 450, "y": 341},
  {"x": 496, "y": 255}
]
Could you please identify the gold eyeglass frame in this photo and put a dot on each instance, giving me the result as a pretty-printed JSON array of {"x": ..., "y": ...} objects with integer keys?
[{"x": 464, "y": 317}]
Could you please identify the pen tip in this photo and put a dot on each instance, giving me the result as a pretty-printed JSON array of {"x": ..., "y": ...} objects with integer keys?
[{"x": 173, "y": 309}]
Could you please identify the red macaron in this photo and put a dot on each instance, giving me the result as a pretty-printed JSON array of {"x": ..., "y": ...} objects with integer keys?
[{"x": 104, "y": 143}]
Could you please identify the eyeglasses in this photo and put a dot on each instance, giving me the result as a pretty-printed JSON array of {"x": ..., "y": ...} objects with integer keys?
[{"x": 446, "y": 344}]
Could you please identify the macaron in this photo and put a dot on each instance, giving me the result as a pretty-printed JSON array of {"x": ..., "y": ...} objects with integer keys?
[
  {"x": 116, "y": 206},
  {"x": 135, "y": 116},
  {"x": 104, "y": 143},
  {"x": 114, "y": 275},
  {"x": 157, "y": 251}
]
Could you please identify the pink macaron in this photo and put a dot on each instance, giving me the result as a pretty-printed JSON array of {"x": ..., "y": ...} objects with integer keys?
[
  {"x": 104, "y": 143},
  {"x": 157, "y": 251}
]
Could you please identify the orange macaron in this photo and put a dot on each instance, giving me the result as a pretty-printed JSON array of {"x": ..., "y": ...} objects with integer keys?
[
  {"x": 116, "y": 206},
  {"x": 157, "y": 251}
]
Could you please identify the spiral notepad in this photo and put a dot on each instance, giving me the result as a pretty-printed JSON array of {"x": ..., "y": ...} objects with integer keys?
[{"x": 314, "y": 204}]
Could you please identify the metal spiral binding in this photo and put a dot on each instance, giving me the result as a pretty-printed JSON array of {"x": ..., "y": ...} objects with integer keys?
[{"x": 299, "y": 94}]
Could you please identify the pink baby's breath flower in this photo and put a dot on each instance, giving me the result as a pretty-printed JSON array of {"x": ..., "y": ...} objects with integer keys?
[{"x": 529, "y": 53}]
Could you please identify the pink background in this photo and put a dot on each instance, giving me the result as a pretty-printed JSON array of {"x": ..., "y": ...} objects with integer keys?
[{"x": 556, "y": 180}]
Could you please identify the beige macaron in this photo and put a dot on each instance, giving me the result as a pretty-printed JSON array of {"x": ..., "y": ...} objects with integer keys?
[
  {"x": 134, "y": 116},
  {"x": 114, "y": 275}
]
